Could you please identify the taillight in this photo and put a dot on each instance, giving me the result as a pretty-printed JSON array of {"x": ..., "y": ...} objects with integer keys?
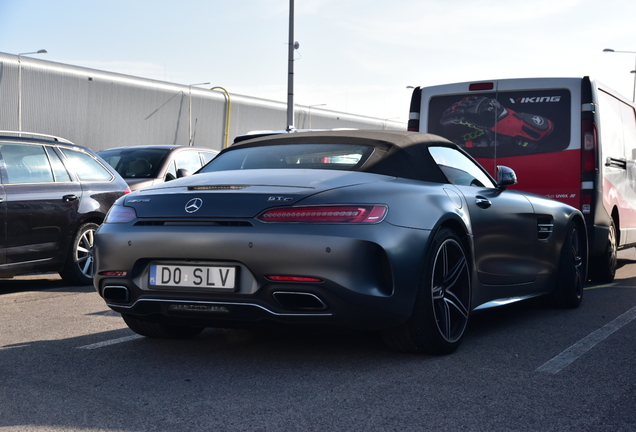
[
  {"x": 117, "y": 273},
  {"x": 293, "y": 279},
  {"x": 326, "y": 214},
  {"x": 120, "y": 214},
  {"x": 413, "y": 124},
  {"x": 588, "y": 147},
  {"x": 586, "y": 203}
]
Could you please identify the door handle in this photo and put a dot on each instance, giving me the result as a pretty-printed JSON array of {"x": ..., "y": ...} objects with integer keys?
[
  {"x": 482, "y": 202},
  {"x": 68, "y": 198}
]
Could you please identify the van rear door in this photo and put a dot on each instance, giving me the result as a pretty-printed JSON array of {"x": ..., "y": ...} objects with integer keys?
[{"x": 531, "y": 125}]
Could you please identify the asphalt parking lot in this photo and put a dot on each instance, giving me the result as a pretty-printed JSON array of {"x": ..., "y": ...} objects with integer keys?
[{"x": 68, "y": 363}]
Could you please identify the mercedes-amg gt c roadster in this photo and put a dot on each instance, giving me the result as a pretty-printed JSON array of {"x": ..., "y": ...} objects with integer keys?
[{"x": 397, "y": 232}]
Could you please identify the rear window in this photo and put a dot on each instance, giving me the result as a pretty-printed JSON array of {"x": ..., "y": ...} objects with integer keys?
[
  {"x": 292, "y": 156},
  {"x": 135, "y": 162},
  {"x": 86, "y": 168},
  {"x": 490, "y": 125}
]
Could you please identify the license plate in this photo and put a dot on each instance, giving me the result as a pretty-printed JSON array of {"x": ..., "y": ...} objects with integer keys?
[{"x": 192, "y": 276}]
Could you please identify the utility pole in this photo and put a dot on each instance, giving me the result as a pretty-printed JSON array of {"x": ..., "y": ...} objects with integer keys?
[{"x": 290, "y": 74}]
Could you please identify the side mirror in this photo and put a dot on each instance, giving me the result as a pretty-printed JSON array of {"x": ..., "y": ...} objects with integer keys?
[
  {"x": 505, "y": 176},
  {"x": 182, "y": 172}
]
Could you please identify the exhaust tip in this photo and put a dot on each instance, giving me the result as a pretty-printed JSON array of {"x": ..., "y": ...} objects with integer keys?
[
  {"x": 118, "y": 294},
  {"x": 299, "y": 301}
]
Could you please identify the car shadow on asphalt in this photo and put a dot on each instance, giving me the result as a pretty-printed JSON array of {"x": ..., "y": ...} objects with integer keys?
[
  {"x": 622, "y": 262},
  {"x": 39, "y": 282}
]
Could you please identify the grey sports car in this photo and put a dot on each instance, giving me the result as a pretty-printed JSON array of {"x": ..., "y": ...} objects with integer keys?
[{"x": 397, "y": 232}]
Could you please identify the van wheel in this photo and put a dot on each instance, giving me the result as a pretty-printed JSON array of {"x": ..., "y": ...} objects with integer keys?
[
  {"x": 603, "y": 268},
  {"x": 572, "y": 268},
  {"x": 78, "y": 268},
  {"x": 160, "y": 330},
  {"x": 442, "y": 305}
]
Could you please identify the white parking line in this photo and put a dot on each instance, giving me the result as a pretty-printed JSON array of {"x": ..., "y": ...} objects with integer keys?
[
  {"x": 587, "y": 343},
  {"x": 110, "y": 342}
]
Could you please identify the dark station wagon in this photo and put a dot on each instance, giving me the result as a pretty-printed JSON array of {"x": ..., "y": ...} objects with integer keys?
[{"x": 53, "y": 197}]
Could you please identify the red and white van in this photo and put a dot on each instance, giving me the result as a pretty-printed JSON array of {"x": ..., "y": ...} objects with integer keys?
[{"x": 570, "y": 139}]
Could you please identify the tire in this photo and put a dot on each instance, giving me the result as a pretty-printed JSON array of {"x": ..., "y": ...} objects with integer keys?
[
  {"x": 160, "y": 330},
  {"x": 572, "y": 270},
  {"x": 79, "y": 266},
  {"x": 442, "y": 305},
  {"x": 603, "y": 268}
]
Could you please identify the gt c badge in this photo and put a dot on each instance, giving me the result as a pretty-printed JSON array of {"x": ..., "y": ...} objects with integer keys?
[
  {"x": 193, "y": 205},
  {"x": 278, "y": 199}
]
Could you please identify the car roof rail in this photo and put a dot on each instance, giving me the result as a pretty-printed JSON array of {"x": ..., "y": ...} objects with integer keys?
[{"x": 35, "y": 135}]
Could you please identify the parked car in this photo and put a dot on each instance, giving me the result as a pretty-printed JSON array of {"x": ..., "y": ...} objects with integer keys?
[
  {"x": 54, "y": 195},
  {"x": 143, "y": 166},
  {"x": 399, "y": 232}
]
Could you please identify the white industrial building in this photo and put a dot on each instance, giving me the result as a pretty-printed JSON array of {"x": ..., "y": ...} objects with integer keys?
[{"x": 102, "y": 110}]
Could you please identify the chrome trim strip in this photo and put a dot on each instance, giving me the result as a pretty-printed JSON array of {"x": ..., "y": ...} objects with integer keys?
[
  {"x": 113, "y": 305},
  {"x": 504, "y": 301}
]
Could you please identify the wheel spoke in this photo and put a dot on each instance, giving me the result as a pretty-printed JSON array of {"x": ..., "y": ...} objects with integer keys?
[
  {"x": 445, "y": 321},
  {"x": 438, "y": 292},
  {"x": 450, "y": 290},
  {"x": 452, "y": 300},
  {"x": 84, "y": 253},
  {"x": 452, "y": 277},
  {"x": 85, "y": 265}
]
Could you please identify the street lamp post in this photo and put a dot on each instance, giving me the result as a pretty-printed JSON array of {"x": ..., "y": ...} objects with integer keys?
[
  {"x": 190, "y": 140},
  {"x": 634, "y": 72},
  {"x": 290, "y": 69},
  {"x": 42, "y": 51}
]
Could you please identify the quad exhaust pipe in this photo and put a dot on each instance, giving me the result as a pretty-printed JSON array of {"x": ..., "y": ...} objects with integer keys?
[
  {"x": 299, "y": 301},
  {"x": 117, "y": 294}
]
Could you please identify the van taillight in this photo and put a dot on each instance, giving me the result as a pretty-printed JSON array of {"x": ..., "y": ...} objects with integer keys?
[
  {"x": 414, "y": 110},
  {"x": 586, "y": 203},
  {"x": 588, "y": 147},
  {"x": 481, "y": 86},
  {"x": 414, "y": 122}
]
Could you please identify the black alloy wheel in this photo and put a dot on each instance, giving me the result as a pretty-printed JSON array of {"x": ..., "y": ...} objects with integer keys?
[
  {"x": 603, "y": 269},
  {"x": 572, "y": 271},
  {"x": 442, "y": 307}
]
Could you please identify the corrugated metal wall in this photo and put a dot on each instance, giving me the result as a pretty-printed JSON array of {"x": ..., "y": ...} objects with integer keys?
[{"x": 101, "y": 110}]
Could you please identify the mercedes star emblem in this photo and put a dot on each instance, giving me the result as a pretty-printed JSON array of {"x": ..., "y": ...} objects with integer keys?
[{"x": 193, "y": 205}]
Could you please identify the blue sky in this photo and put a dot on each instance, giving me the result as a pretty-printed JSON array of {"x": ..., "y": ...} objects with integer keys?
[{"x": 355, "y": 55}]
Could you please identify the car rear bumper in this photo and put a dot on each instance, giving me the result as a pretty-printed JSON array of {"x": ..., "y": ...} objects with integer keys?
[{"x": 368, "y": 275}]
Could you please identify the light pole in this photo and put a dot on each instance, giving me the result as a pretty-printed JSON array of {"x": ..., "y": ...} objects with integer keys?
[
  {"x": 190, "y": 140},
  {"x": 634, "y": 72},
  {"x": 290, "y": 69},
  {"x": 42, "y": 51}
]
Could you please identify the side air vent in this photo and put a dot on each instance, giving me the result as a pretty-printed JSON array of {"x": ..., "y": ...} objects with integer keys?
[{"x": 545, "y": 226}]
